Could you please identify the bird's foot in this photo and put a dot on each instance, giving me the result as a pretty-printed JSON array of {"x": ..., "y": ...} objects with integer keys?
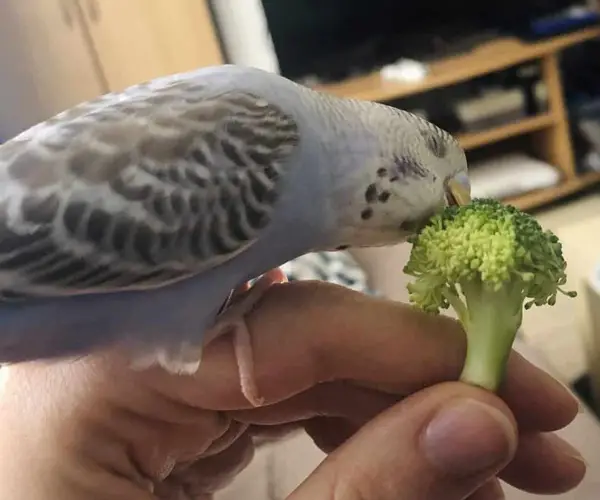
[
  {"x": 232, "y": 320},
  {"x": 185, "y": 357}
]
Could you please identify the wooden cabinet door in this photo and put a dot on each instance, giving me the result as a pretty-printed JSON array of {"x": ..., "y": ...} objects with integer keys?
[
  {"x": 54, "y": 59},
  {"x": 138, "y": 40},
  {"x": 126, "y": 42},
  {"x": 187, "y": 32}
]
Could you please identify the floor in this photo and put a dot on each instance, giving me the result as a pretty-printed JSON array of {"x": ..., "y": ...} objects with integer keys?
[{"x": 561, "y": 332}]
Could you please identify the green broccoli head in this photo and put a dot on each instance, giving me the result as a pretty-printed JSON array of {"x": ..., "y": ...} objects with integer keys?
[{"x": 488, "y": 261}]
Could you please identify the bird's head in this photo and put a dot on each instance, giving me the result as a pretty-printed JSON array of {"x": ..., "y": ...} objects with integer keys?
[{"x": 403, "y": 170}]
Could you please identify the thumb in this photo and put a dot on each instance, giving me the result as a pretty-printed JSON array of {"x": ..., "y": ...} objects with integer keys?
[{"x": 442, "y": 443}]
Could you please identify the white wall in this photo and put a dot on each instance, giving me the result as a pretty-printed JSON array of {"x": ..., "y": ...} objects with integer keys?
[{"x": 245, "y": 34}]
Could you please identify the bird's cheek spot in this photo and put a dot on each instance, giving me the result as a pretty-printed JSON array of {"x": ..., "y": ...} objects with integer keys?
[
  {"x": 371, "y": 193},
  {"x": 384, "y": 196},
  {"x": 366, "y": 214}
]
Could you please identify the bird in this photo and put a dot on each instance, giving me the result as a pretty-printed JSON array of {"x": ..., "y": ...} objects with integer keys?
[{"x": 156, "y": 217}]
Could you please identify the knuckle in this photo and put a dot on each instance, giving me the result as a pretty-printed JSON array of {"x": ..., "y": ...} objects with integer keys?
[{"x": 355, "y": 487}]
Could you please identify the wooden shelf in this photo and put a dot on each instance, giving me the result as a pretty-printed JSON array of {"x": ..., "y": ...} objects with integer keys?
[
  {"x": 536, "y": 199},
  {"x": 488, "y": 58},
  {"x": 552, "y": 141},
  {"x": 521, "y": 127}
]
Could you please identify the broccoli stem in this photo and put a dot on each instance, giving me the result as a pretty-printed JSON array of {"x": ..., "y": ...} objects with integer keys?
[{"x": 491, "y": 325}]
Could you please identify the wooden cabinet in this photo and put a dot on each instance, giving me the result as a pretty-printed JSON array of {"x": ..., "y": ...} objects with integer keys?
[
  {"x": 48, "y": 46},
  {"x": 69, "y": 51},
  {"x": 137, "y": 40},
  {"x": 124, "y": 38},
  {"x": 186, "y": 31}
]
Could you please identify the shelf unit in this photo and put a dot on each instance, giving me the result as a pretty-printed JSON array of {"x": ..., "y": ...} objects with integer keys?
[
  {"x": 515, "y": 129},
  {"x": 550, "y": 130}
]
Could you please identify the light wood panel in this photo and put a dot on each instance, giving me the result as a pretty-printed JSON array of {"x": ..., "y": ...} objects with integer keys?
[
  {"x": 63, "y": 52},
  {"x": 521, "y": 127},
  {"x": 567, "y": 187},
  {"x": 55, "y": 55},
  {"x": 126, "y": 43},
  {"x": 138, "y": 40},
  {"x": 554, "y": 144},
  {"x": 186, "y": 30}
]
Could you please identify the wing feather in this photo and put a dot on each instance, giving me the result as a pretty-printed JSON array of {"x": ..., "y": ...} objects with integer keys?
[{"x": 138, "y": 189}]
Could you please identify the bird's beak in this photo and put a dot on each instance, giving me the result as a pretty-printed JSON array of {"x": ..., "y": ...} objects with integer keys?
[{"x": 458, "y": 191}]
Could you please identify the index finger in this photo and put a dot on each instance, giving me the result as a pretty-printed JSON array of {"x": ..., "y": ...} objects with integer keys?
[{"x": 307, "y": 333}]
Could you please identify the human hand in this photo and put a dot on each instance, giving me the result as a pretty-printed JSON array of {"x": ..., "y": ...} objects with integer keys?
[{"x": 350, "y": 369}]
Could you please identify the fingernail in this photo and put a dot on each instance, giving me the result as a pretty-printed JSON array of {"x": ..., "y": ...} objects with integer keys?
[
  {"x": 468, "y": 437},
  {"x": 492, "y": 490},
  {"x": 566, "y": 388},
  {"x": 564, "y": 448}
]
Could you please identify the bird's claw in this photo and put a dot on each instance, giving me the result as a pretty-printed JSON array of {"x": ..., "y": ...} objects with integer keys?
[
  {"x": 232, "y": 319},
  {"x": 185, "y": 358}
]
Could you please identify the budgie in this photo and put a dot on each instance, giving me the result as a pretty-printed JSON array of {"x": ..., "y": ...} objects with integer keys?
[{"x": 130, "y": 219}]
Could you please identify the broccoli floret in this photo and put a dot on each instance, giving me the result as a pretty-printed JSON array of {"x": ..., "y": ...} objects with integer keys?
[{"x": 488, "y": 261}]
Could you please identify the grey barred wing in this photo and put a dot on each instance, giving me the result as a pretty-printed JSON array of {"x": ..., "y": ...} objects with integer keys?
[{"x": 139, "y": 189}]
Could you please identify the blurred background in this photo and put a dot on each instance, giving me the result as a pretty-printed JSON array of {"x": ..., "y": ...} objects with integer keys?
[{"x": 517, "y": 81}]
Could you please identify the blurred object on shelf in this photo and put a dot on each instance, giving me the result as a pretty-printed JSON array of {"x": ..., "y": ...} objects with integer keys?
[
  {"x": 586, "y": 128},
  {"x": 404, "y": 70},
  {"x": 491, "y": 109},
  {"x": 588, "y": 120},
  {"x": 511, "y": 175},
  {"x": 570, "y": 19},
  {"x": 540, "y": 92},
  {"x": 591, "y": 162}
]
